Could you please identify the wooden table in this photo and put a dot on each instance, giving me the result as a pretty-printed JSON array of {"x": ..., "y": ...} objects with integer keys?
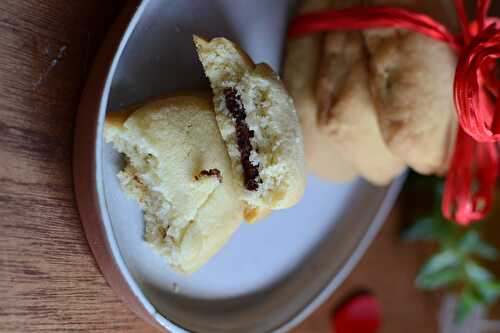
[{"x": 49, "y": 281}]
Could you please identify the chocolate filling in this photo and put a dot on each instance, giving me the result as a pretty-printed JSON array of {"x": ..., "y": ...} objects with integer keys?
[
  {"x": 243, "y": 136},
  {"x": 210, "y": 173}
]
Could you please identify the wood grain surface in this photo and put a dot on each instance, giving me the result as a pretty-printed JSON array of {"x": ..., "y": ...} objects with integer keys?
[{"x": 49, "y": 281}]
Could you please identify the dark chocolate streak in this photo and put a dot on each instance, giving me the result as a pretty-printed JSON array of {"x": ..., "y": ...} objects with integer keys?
[{"x": 243, "y": 136}]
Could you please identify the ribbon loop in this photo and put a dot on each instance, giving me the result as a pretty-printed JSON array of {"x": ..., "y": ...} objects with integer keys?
[{"x": 476, "y": 86}]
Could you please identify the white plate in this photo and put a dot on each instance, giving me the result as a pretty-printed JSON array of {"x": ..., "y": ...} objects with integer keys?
[{"x": 272, "y": 274}]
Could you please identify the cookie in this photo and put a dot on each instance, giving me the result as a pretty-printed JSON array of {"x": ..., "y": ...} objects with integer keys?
[
  {"x": 411, "y": 78},
  {"x": 323, "y": 157},
  {"x": 259, "y": 126},
  {"x": 178, "y": 170},
  {"x": 346, "y": 109}
]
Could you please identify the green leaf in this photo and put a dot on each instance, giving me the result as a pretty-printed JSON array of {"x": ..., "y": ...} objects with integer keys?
[
  {"x": 471, "y": 243},
  {"x": 468, "y": 241},
  {"x": 488, "y": 291},
  {"x": 476, "y": 273},
  {"x": 466, "y": 303},
  {"x": 438, "y": 279},
  {"x": 427, "y": 228},
  {"x": 444, "y": 259},
  {"x": 485, "y": 251}
]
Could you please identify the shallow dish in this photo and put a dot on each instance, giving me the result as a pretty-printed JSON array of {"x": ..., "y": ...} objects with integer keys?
[{"x": 272, "y": 274}]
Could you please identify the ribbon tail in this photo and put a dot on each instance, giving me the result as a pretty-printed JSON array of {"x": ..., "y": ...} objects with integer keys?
[{"x": 471, "y": 181}]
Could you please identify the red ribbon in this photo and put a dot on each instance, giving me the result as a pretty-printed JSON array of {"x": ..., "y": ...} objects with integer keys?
[{"x": 472, "y": 175}]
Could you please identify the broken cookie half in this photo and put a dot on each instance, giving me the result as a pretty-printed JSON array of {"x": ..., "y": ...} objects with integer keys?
[
  {"x": 259, "y": 126},
  {"x": 178, "y": 170}
]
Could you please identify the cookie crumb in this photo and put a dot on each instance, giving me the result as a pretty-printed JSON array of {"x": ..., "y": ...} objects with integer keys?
[{"x": 210, "y": 173}]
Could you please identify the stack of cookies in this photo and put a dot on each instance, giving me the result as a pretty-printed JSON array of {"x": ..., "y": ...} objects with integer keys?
[{"x": 372, "y": 102}]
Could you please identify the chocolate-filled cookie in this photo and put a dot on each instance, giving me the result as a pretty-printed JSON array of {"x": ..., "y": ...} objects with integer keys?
[{"x": 259, "y": 126}]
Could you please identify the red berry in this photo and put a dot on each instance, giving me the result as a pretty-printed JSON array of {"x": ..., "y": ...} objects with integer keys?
[{"x": 360, "y": 314}]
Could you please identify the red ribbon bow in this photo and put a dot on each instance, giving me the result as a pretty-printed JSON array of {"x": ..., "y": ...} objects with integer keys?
[{"x": 471, "y": 178}]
